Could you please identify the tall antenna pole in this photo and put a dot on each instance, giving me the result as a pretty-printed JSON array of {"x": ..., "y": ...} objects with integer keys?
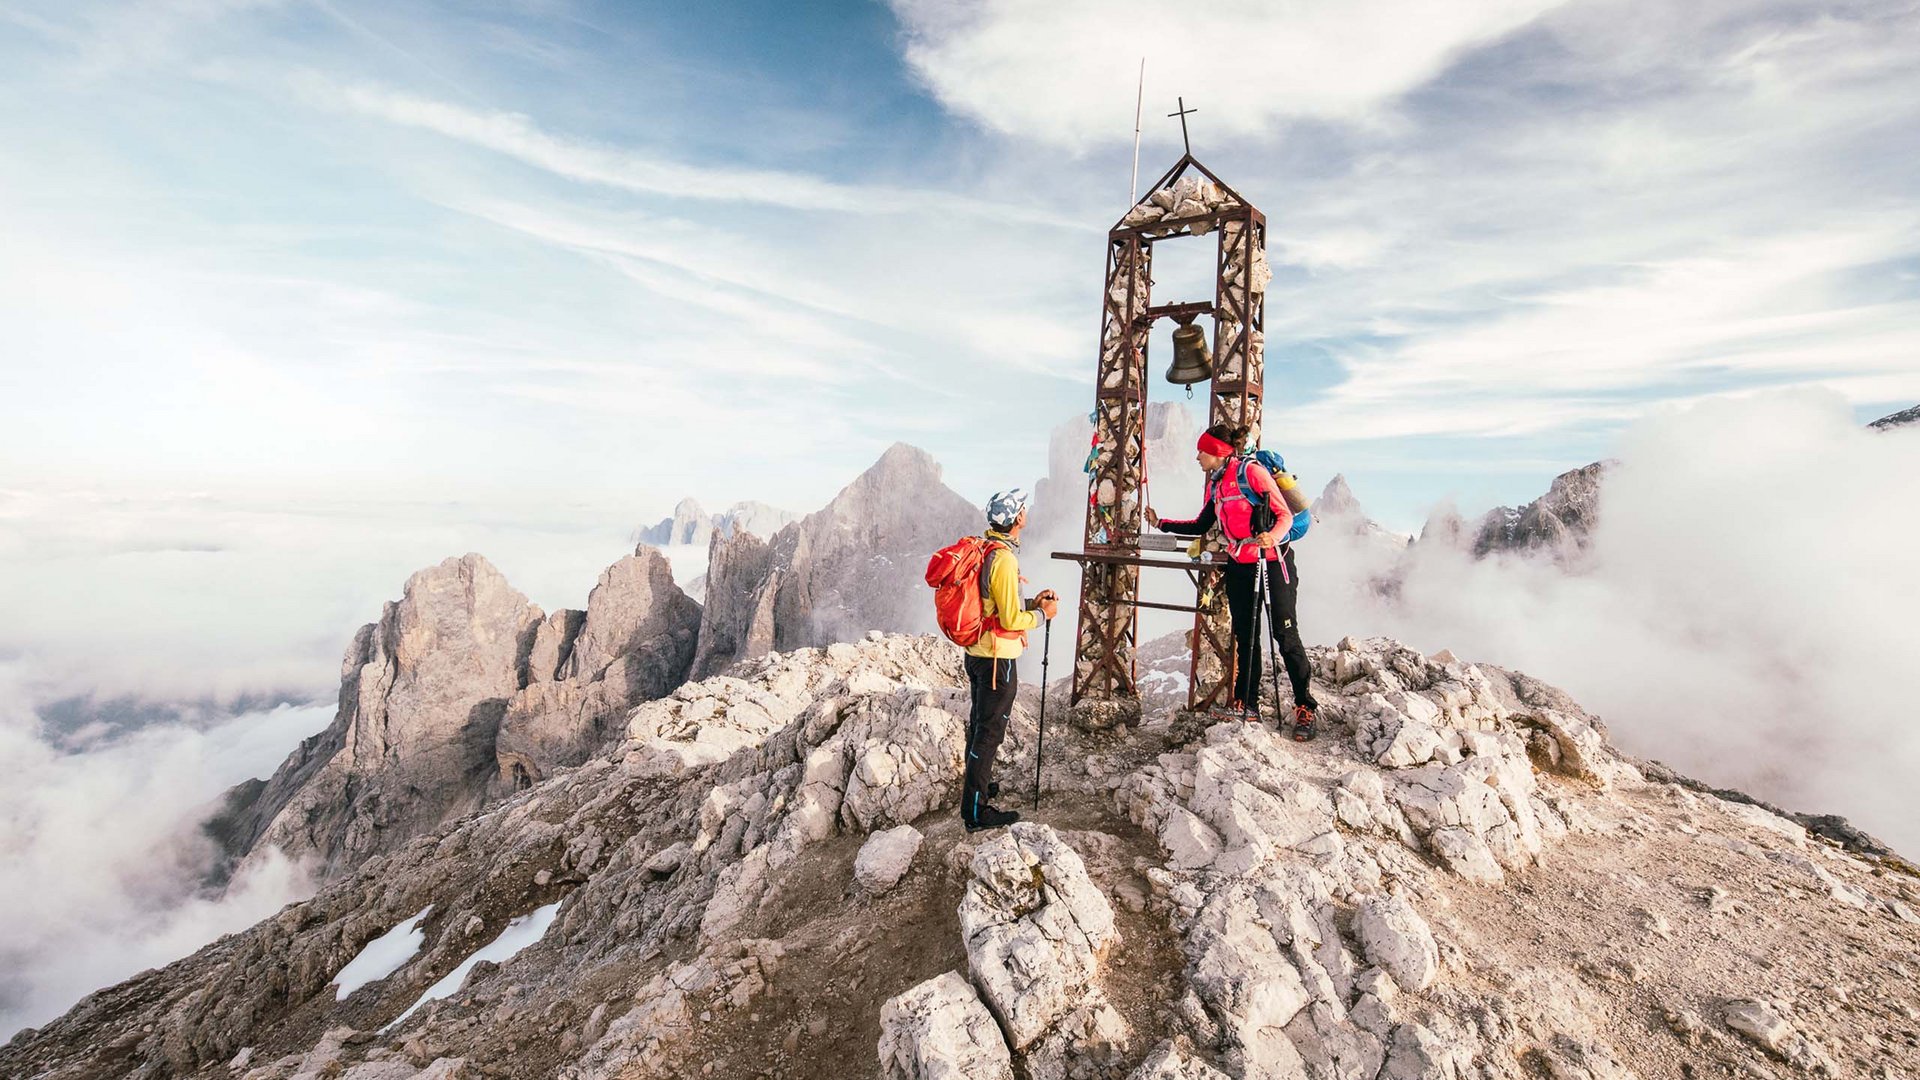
[{"x": 1133, "y": 189}]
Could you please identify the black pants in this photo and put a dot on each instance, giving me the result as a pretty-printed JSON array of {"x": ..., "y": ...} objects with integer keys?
[
  {"x": 1281, "y": 620},
  {"x": 993, "y": 692}
]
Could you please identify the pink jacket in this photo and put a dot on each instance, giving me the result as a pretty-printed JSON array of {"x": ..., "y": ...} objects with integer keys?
[{"x": 1230, "y": 509}]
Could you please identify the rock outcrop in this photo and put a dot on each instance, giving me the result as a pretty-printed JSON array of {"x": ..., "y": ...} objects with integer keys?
[
  {"x": 1338, "y": 510},
  {"x": 422, "y": 694},
  {"x": 853, "y": 566},
  {"x": 635, "y": 642},
  {"x": 462, "y": 690},
  {"x": 1899, "y": 419},
  {"x": 736, "y": 621},
  {"x": 1460, "y": 878},
  {"x": 939, "y": 1030},
  {"x": 1559, "y": 524}
]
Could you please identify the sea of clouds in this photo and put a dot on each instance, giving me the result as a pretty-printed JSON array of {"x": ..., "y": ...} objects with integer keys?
[
  {"x": 1747, "y": 614},
  {"x": 102, "y": 862}
]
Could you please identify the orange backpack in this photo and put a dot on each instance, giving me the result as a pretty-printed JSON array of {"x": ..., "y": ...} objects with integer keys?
[{"x": 959, "y": 574}]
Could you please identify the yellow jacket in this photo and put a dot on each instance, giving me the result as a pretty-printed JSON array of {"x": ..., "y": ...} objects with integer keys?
[{"x": 1004, "y": 602}]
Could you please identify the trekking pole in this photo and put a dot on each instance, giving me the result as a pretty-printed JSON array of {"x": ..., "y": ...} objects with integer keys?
[
  {"x": 1253, "y": 647},
  {"x": 1039, "y": 741},
  {"x": 1273, "y": 632}
]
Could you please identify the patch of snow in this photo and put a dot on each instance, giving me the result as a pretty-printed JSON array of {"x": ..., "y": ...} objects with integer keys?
[
  {"x": 521, "y": 932},
  {"x": 1165, "y": 682},
  {"x": 382, "y": 956}
]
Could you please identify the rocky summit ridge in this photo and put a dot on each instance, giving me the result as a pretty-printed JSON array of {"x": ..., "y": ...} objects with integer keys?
[{"x": 762, "y": 874}]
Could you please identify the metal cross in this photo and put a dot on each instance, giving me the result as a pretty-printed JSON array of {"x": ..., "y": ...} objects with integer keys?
[{"x": 1182, "y": 114}]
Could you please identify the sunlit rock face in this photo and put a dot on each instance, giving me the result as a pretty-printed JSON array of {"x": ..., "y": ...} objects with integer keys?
[
  {"x": 461, "y": 690},
  {"x": 858, "y": 564},
  {"x": 1559, "y": 524}
]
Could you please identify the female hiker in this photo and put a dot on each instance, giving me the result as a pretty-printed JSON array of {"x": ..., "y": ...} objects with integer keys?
[{"x": 1259, "y": 514}]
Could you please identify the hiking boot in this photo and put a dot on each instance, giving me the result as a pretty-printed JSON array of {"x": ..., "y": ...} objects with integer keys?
[
  {"x": 1232, "y": 710},
  {"x": 993, "y": 788},
  {"x": 992, "y": 817},
  {"x": 1302, "y": 724}
]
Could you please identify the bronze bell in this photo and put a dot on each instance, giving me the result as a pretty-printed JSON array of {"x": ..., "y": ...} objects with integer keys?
[{"x": 1191, "y": 361}]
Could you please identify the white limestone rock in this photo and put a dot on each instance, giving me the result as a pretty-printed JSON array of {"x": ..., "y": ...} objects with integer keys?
[
  {"x": 1089, "y": 1042},
  {"x": 1168, "y": 1063},
  {"x": 1036, "y": 929},
  {"x": 1250, "y": 986},
  {"x": 885, "y": 858},
  {"x": 1395, "y": 938},
  {"x": 939, "y": 1030}
]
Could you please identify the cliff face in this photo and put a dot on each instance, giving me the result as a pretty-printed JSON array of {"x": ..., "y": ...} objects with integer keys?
[
  {"x": 460, "y": 682},
  {"x": 1559, "y": 524},
  {"x": 737, "y": 621},
  {"x": 635, "y": 641},
  {"x": 422, "y": 694},
  {"x": 765, "y": 873},
  {"x": 856, "y": 565}
]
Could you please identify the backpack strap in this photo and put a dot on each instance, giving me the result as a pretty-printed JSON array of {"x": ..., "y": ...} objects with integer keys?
[
  {"x": 994, "y": 625},
  {"x": 986, "y": 564},
  {"x": 1240, "y": 476}
]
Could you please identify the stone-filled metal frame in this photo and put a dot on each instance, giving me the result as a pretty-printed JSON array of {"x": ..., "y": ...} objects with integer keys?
[{"x": 1104, "y": 654}]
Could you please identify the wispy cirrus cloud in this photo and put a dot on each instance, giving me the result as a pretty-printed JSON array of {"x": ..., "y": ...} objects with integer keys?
[
  {"x": 1758, "y": 312},
  {"x": 628, "y": 169}
]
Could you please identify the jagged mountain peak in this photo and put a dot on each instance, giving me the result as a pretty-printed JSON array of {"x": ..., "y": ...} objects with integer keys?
[
  {"x": 471, "y": 568},
  {"x": 1559, "y": 524},
  {"x": 902, "y": 463},
  {"x": 692, "y": 525},
  {"x": 461, "y": 690},
  {"x": 1337, "y": 499},
  {"x": 1898, "y": 419}
]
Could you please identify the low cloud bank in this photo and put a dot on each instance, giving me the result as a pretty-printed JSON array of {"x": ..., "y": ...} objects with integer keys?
[
  {"x": 101, "y": 857},
  {"x": 1749, "y": 613},
  {"x": 174, "y": 597}
]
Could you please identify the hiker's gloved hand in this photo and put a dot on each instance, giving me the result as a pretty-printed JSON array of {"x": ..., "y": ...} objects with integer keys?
[{"x": 1302, "y": 521}]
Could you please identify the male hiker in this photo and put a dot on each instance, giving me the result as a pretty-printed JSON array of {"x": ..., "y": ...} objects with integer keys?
[{"x": 990, "y": 660}]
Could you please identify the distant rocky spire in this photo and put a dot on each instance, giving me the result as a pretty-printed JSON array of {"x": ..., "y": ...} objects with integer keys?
[{"x": 1899, "y": 419}]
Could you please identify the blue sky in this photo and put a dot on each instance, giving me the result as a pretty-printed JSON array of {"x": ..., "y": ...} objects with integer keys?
[
  {"x": 497, "y": 250},
  {"x": 443, "y": 270}
]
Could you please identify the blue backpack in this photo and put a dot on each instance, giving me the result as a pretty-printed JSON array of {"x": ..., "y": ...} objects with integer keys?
[{"x": 1275, "y": 465}]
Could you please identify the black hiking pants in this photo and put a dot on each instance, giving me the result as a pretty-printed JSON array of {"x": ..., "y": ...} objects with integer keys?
[
  {"x": 993, "y": 683},
  {"x": 1281, "y": 619}
]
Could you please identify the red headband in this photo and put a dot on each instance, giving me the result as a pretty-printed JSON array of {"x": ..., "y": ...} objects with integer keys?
[{"x": 1215, "y": 447}]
